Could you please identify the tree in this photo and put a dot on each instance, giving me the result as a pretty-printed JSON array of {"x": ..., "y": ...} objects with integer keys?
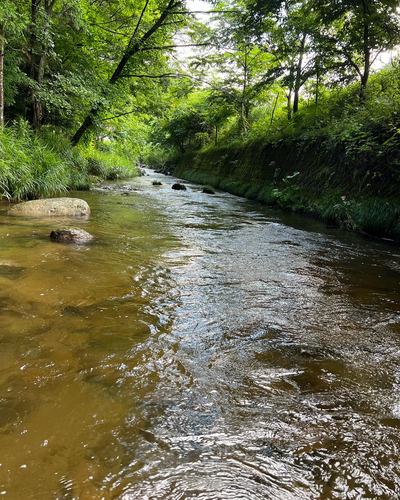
[
  {"x": 232, "y": 66},
  {"x": 356, "y": 32},
  {"x": 150, "y": 21},
  {"x": 12, "y": 24},
  {"x": 288, "y": 30}
]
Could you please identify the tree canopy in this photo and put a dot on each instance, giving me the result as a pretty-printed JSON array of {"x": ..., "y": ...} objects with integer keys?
[{"x": 84, "y": 65}]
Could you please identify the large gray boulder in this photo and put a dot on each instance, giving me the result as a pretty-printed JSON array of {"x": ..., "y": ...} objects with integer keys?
[
  {"x": 52, "y": 206},
  {"x": 71, "y": 235}
]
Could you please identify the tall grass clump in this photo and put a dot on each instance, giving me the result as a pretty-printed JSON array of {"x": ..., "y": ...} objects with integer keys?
[
  {"x": 29, "y": 169},
  {"x": 108, "y": 161},
  {"x": 77, "y": 164},
  {"x": 34, "y": 166}
]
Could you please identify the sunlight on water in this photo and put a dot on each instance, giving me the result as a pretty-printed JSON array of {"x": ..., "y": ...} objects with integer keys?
[{"x": 200, "y": 347}]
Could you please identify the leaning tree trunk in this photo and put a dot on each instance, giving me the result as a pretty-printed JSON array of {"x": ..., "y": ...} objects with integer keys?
[
  {"x": 131, "y": 50},
  {"x": 273, "y": 111}
]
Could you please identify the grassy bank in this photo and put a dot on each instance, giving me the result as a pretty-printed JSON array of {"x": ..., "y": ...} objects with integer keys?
[
  {"x": 314, "y": 178},
  {"x": 34, "y": 166},
  {"x": 338, "y": 160}
]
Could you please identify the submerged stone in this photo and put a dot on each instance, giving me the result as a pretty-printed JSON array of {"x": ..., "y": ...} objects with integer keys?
[
  {"x": 12, "y": 411},
  {"x": 179, "y": 187},
  {"x": 11, "y": 272},
  {"x": 157, "y": 183},
  {"x": 52, "y": 206},
  {"x": 71, "y": 235}
]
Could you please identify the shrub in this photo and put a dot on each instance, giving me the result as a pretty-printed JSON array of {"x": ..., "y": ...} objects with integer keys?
[
  {"x": 46, "y": 165},
  {"x": 105, "y": 163},
  {"x": 28, "y": 168}
]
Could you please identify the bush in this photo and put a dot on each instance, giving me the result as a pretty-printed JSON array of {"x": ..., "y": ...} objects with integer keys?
[
  {"x": 28, "y": 168},
  {"x": 46, "y": 165},
  {"x": 105, "y": 163}
]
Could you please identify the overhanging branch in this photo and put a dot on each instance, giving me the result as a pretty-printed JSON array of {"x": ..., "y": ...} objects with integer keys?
[
  {"x": 164, "y": 75},
  {"x": 165, "y": 47},
  {"x": 121, "y": 114}
]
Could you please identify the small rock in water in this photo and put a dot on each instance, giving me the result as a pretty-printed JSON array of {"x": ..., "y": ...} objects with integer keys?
[
  {"x": 157, "y": 183},
  {"x": 71, "y": 235},
  {"x": 208, "y": 190},
  {"x": 179, "y": 187}
]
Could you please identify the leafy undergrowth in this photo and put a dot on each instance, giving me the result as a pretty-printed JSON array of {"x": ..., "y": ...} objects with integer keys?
[{"x": 34, "y": 166}]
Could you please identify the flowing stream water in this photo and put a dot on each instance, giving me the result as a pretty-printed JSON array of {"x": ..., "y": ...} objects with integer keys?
[{"x": 201, "y": 347}]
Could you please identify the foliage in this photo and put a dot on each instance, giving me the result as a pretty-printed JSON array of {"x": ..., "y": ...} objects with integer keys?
[
  {"x": 105, "y": 163},
  {"x": 34, "y": 166},
  {"x": 28, "y": 169}
]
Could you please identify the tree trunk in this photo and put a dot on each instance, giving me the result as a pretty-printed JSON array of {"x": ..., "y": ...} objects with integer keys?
[
  {"x": 317, "y": 87},
  {"x": 37, "y": 73},
  {"x": 243, "y": 119},
  {"x": 32, "y": 65},
  {"x": 37, "y": 105},
  {"x": 367, "y": 62},
  {"x": 273, "y": 111},
  {"x": 298, "y": 82},
  {"x": 1, "y": 78},
  {"x": 289, "y": 104},
  {"x": 366, "y": 50},
  {"x": 243, "y": 112},
  {"x": 130, "y": 51}
]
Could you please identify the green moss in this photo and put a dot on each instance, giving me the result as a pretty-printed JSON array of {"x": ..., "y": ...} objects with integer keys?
[{"x": 316, "y": 181}]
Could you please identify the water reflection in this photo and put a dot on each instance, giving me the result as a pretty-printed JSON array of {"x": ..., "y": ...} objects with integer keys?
[{"x": 200, "y": 347}]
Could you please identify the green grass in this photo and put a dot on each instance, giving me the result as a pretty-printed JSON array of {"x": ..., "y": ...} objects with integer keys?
[
  {"x": 46, "y": 165},
  {"x": 372, "y": 216}
]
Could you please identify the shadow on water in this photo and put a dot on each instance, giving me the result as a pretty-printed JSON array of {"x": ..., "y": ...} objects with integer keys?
[{"x": 200, "y": 347}]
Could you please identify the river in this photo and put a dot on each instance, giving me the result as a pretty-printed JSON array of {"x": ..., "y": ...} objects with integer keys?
[{"x": 201, "y": 347}]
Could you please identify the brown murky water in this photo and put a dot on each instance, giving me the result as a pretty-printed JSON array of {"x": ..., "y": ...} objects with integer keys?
[{"x": 201, "y": 347}]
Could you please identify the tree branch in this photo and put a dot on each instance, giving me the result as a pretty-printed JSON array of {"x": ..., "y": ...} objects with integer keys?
[
  {"x": 165, "y": 47},
  {"x": 117, "y": 116},
  {"x": 209, "y": 12},
  {"x": 165, "y": 75},
  {"x": 140, "y": 18},
  {"x": 131, "y": 49}
]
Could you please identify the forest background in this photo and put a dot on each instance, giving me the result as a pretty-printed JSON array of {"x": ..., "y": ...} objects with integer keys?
[{"x": 285, "y": 102}]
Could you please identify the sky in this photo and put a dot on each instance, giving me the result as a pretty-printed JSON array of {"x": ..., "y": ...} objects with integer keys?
[
  {"x": 197, "y": 5},
  {"x": 200, "y": 5}
]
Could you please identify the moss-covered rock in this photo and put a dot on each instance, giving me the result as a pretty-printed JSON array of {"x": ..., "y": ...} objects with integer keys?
[{"x": 51, "y": 207}]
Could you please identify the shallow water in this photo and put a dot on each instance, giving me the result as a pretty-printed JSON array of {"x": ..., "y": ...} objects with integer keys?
[{"x": 200, "y": 347}]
